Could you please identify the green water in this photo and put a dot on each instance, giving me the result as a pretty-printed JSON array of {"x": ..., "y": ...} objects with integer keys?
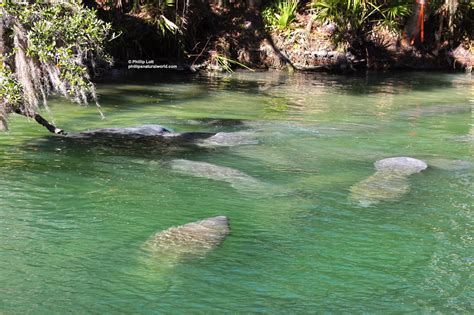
[{"x": 74, "y": 215}]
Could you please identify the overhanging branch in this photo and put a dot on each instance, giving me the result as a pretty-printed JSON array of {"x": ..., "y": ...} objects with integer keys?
[{"x": 40, "y": 120}]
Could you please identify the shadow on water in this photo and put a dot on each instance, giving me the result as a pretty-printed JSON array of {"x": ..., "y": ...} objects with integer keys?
[
  {"x": 120, "y": 145},
  {"x": 358, "y": 83}
]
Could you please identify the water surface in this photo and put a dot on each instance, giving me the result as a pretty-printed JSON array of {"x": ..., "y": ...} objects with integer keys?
[{"x": 75, "y": 214}]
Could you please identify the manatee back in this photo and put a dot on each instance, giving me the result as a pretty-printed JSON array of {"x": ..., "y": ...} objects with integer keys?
[
  {"x": 191, "y": 239},
  {"x": 402, "y": 165}
]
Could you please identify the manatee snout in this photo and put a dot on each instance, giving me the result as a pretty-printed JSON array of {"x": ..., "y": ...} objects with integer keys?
[
  {"x": 216, "y": 222},
  {"x": 401, "y": 165}
]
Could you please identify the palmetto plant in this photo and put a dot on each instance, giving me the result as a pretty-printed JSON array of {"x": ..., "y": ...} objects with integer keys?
[
  {"x": 281, "y": 14},
  {"x": 160, "y": 12},
  {"x": 354, "y": 18}
]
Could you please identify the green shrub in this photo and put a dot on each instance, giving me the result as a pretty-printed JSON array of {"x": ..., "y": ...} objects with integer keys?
[
  {"x": 281, "y": 14},
  {"x": 355, "y": 18},
  {"x": 47, "y": 48}
]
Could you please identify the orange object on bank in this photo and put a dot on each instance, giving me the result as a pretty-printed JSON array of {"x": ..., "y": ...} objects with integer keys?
[{"x": 420, "y": 24}]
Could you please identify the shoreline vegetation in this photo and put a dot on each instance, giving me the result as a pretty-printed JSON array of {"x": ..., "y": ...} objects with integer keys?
[
  {"x": 60, "y": 46},
  {"x": 318, "y": 35}
]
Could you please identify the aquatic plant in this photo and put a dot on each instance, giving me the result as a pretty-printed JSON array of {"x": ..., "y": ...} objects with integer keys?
[
  {"x": 47, "y": 47},
  {"x": 281, "y": 14}
]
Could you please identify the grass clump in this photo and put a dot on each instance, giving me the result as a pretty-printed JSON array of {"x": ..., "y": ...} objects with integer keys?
[{"x": 281, "y": 14}]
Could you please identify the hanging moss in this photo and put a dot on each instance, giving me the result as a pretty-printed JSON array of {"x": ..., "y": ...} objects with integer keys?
[{"x": 47, "y": 47}]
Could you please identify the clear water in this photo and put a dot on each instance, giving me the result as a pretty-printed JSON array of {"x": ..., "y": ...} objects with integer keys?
[{"x": 74, "y": 215}]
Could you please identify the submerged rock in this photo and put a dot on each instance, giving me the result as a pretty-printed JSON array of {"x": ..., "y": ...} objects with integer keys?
[
  {"x": 235, "y": 178},
  {"x": 389, "y": 182},
  {"x": 191, "y": 240}
]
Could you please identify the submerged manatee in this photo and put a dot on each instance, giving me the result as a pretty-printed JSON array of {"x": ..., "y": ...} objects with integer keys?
[
  {"x": 235, "y": 178},
  {"x": 389, "y": 182},
  {"x": 192, "y": 240},
  {"x": 451, "y": 165},
  {"x": 229, "y": 139},
  {"x": 439, "y": 109}
]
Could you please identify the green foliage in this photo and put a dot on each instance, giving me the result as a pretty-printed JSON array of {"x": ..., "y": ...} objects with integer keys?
[
  {"x": 281, "y": 14},
  {"x": 157, "y": 12},
  {"x": 58, "y": 35},
  {"x": 354, "y": 18},
  {"x": 10, "y": 89},
  {"x": 47, "y": 48}
]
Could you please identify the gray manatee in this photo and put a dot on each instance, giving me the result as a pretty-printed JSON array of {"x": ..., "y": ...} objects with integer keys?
[
  {"x": 389, "y": 182},
  {"x": 235, "y": 178},
  {"x": 229, "y": 139},
  {"x": 191, "y": 240},
  {"x": 400, "y": 165}
]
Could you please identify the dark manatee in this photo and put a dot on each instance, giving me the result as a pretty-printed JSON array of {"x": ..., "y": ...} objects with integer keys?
[
  {"x": 389, "y": 182},
  {"x": 144, "y": 131},
  {"x": 188, "y": 241},
  {"x": 164, "y": 135}
]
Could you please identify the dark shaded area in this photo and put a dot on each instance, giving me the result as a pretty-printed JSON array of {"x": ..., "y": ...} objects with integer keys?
[
  {"x": 235, "y": 31},
  {"x": 103, "y": 144}
]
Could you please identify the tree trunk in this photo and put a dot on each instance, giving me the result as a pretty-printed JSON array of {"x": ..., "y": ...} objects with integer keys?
[
  {"x": 3, "y": 110},
  {"x": 2, "y": 31}
]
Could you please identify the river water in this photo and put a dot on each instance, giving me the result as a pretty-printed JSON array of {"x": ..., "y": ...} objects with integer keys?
[{"x": 74, "y": 215}]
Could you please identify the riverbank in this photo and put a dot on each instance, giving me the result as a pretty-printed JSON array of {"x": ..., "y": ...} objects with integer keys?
[{"x": 216, "y": 38}]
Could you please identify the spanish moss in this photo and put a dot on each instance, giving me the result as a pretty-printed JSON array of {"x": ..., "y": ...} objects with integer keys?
[{"x": 48, "y": 47}]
